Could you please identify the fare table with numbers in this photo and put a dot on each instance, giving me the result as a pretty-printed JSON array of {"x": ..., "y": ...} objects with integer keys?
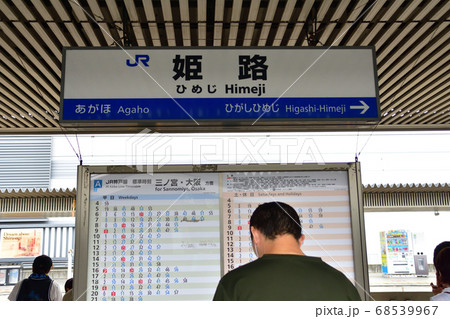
[{"x": 172, "y": 234}]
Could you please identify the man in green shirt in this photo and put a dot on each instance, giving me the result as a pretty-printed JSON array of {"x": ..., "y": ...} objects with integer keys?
[{"x": 282, "y": 271}]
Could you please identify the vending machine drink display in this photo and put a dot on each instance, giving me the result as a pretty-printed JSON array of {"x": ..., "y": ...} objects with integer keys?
[{"x": 397, "y": 252}]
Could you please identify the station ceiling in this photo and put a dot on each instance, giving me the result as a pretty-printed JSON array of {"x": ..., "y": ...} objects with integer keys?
[{"x": 411, "y": 39}]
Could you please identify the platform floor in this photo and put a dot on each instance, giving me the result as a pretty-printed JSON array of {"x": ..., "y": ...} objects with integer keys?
[{"x": 380, "y": 283}]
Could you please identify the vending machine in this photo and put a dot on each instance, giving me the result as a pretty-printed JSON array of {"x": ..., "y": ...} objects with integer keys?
[{"x": 397, "y": 252}]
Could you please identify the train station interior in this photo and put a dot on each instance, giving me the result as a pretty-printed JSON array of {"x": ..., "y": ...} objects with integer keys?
[{"x": 404, "y": 151}]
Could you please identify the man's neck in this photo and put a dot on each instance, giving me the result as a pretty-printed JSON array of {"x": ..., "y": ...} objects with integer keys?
[{"x": 282, "y": 245}]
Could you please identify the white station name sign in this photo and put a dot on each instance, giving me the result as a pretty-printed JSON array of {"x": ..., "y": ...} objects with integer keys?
[{"x": 211, "y": 84}]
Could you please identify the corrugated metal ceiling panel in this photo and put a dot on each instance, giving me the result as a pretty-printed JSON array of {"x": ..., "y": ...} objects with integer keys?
[
  {"x": 25, "y": 161},
  {"x": 412, "y": 41}
]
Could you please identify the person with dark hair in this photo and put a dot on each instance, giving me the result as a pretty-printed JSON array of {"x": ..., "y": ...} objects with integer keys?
[
  {"x": 437, "y": 289},
  {"x": 438, "y": 248},
  {"x": 442, "y": 263},
  {"x": 68, "y": 287},
  {"x": 282, "y": 271},
  {"x": 39, "y": 286}
]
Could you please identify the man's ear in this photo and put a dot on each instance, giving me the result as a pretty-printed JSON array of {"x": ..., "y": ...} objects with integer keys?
[
  {"x": 256, "y": 235},
  {"x": 301, "y": 239}
]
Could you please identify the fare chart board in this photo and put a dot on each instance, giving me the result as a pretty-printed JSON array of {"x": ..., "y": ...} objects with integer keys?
[{"x": 172, "y": 235}]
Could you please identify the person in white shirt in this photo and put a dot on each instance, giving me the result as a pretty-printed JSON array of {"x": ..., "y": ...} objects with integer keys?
[
  {"x": 39, "y": 286},
  {"x": 442, "y": 265}
]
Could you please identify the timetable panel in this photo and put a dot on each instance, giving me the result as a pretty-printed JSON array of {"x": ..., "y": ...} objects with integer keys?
[
  {"x": 172, "y": 234},
  {"x": 320, "y": 198},
  {"x": 153, "y": 237}
]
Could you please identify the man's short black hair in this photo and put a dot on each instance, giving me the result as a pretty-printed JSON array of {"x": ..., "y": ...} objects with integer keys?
[
  {"x": 42, "y": 265},
  {"x": 443, "y": 264},
  {"x": 276, "y": 218},
  {"x": 438, "y": 249}
]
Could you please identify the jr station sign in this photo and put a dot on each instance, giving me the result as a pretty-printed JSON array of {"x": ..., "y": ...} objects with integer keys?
[{"x": 218, "y": 86}]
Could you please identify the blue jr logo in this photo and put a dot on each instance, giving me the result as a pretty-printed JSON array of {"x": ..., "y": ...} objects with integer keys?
[{"x": 143, "y": 58}]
